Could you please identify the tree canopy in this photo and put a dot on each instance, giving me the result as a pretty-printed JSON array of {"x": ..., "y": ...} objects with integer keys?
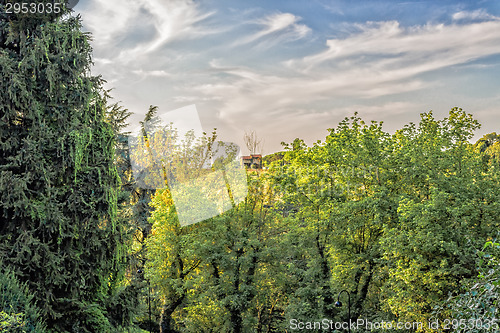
[
  {"x": 394, "y": 219},
  {"x": 59, "y": 231}
]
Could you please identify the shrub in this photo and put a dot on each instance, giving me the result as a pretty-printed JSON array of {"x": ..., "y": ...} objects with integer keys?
[{"x": 17, "y": 311}]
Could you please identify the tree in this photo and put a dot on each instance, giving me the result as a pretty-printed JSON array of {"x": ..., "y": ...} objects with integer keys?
[
  {"x": 489, "y": 148},
  {"x": 253, "y": 143},
  {"x": 207, "y": 273},
  {"x": 127, "y": 290},
  {"x": 218, "y": 275},
  {"x": 169, "y": 247},
  {"x": 445, "y": 200},
  {"x": 58, "y": 184},
  {"x": 170, "y": 260},
  {"x": 338, "y": 201},
  {"x": 475, "y": 309},
  {"x": 141, "y": 197}
]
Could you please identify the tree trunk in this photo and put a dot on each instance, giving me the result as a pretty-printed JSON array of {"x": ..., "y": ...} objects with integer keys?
[
  {"x": 234, "y": 310},
  {"x": 166, "y": 324},
  {"x": 236, "y": 321},
  {"x": 325, "y": 270},
  {"x": 363, "y": 291}
]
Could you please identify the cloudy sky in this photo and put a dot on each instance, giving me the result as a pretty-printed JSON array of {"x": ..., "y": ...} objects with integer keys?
[{"x": 292, "y": 68}]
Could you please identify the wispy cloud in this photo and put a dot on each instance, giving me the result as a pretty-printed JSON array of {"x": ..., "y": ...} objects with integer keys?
[
  {"x": 109, "y": 19},
  {"x": 381, "y": 59},
  {"x": 150, "y": 23},
  {"x": 249, "y": 90},
  {"x": 283, "y": 21},
  {"x": 156, "y": 73},
  {"x": 173, "y": 20},
  {"x": 280, "y": 27},
  {"x": 421, "y": 46},
  {"x": 241, "y": 67},
  {"x": 478, "y": 14}
]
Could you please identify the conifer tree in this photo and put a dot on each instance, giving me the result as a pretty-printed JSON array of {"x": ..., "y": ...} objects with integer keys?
[{"x": 58, "y": 184}]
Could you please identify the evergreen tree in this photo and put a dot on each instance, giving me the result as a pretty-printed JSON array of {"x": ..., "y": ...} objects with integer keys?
[
  {"x": 141, "y": 197},
  {"x": 17, "y": 312},
  {"x": 58, "y": 184},
  {"x": 123, "y": 304}
]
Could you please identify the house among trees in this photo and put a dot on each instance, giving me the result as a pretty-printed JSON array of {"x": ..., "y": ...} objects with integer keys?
[{"x": 254, "y": 161}]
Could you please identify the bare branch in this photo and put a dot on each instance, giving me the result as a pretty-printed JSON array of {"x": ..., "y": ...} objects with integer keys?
[{"x": 253, "y": 143}]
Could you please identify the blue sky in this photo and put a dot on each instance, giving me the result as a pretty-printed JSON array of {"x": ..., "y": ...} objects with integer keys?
[{"x": 292, "y": 68}]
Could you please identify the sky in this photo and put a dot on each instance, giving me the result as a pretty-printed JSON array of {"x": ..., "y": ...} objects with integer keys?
[{"x": 288, "y": 68}]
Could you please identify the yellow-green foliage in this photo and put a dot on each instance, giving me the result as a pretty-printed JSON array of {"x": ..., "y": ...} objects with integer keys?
[
  {"x": 391, "y": 218},
  {"x": 18, "y": 312}
]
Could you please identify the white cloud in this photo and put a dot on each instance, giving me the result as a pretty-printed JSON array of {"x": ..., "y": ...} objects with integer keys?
[
  {"x": 479, "y": 14},
  {"x": 108, "y": 19},
  {"x": 147, "y": 24},
  {"x": 382, "y": 59},
  {"x": 281, "y": 27},
  {"x": 249, "y": 92},
  {"x": 173, "y": 20},
  {"x": 425, "y": 47},
  {"x": 103, "y": 61},
  {"x": 155, "y": 73},
  {"x": 359, "y": 72},
  {"x": 279, "y": 22}
]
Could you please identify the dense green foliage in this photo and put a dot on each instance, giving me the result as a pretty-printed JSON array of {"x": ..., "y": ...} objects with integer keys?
[
  {"x": 392, "y": 218},
  {"x": 59, "y": 230},
  {"x": 476, "y": 309},
  {"x": 18, "y": 312},
  {"x": 130, "y": 302}
]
